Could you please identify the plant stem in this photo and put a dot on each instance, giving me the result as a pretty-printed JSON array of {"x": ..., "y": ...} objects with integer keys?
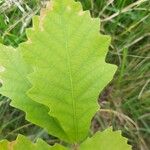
[{"x": 75, "y": 146}]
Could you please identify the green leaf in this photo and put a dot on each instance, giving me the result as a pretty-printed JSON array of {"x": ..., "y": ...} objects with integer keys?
[
  {"x": 13, "y": 72},
  {"x": 106, "y": 140},
  {"x": 68, "y": 56},
  {"x": 22, "y": 143}
]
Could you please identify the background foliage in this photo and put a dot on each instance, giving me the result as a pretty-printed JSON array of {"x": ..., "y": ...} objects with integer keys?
[{"x": 126, "y": 101}]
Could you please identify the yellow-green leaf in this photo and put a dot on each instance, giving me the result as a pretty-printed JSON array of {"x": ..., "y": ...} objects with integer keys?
[
  {"x": 65, "y": 55},
  {"x": 13, "y": 75},
  {"x": 22, "y": 143},
  {"x": 68, "y": 53},
  {"x": 106, "y": 140}
]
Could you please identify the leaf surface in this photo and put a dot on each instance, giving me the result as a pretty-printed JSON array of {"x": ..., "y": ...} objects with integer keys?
[
  {"x": 68, "y": 56},
  {"x": 22, "y": 143},
  {"x": 106, "y": 140},
  {"x": 13, "y": 75}
]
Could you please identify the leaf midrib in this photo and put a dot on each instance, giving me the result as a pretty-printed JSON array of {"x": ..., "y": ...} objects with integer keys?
[{"x": 75, "y": 122}]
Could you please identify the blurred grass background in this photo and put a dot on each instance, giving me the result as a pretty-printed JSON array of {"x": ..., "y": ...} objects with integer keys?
[{"x": 125, "y": 102}]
